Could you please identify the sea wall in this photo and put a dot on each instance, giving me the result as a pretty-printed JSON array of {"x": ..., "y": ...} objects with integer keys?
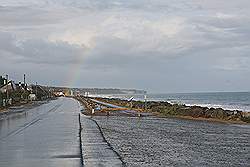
[{"x": 167, "y": 109}]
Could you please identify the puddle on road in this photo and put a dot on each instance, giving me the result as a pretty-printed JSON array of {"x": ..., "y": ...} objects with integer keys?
[{"x": 76, "y": 156}]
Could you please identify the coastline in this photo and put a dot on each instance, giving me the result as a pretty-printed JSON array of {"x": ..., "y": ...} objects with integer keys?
[
  {"x": 165, "y": 109},
  {"x": 226, "y": 100}
]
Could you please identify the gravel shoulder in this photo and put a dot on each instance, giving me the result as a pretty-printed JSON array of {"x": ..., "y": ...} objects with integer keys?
[{"x": 151, "y": 141}]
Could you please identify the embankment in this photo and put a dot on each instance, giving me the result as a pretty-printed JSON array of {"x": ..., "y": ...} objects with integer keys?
[{"x": 183, "y": 111}]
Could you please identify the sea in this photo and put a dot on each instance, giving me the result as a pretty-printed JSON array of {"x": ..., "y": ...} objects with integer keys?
[{"x": 226, "y": 100}]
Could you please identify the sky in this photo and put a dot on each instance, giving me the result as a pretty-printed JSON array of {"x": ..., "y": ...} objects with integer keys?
[{"x": 157, "y": 45}]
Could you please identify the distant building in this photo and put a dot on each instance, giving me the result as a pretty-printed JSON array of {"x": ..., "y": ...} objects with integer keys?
[
  {"x": 59, "y": 94},
  {"x": 22, "y": 86},
  {"x": 71, "y": 93},
  {"x": 32, "y": 97},
  {"x": 41, "y": 92},
  {"x": 5, "y": 90},
  {"x": 10, "y": 87},
  {"x": 3, "y": 81}
]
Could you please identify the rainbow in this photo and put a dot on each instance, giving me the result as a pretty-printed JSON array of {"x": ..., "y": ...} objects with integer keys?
[{"x": 74, "y": 72}]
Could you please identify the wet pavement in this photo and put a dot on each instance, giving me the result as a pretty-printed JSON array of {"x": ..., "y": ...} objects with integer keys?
[
  {"x": 46, "y": 135},
  {"x": 96, "y": 151},
  {"x": 150, "y": 141}
]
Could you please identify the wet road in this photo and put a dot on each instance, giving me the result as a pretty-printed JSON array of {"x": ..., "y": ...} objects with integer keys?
[
  {"x": 96, "y": 151},
  {"x": 46, "y": 135},
  {"x": 152, "y": 141}
]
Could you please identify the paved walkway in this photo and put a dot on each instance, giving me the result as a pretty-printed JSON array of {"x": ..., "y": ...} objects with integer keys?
[{"x": 96, "y": 151}]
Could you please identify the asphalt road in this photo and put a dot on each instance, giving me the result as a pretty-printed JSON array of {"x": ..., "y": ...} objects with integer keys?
[{"x": 47, "y": 135}]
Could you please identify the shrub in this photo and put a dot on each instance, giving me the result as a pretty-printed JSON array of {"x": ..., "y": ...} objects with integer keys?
[{"x": 245, "y": 119}]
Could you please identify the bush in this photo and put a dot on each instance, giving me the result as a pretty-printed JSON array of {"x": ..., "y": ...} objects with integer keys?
[
  {"x": 167, "y": 110},
  {"x": 16, "y": 96},
  {"x": 245, "y": 119}
]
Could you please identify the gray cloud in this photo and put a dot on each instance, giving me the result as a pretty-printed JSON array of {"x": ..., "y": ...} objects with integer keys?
[
  {"x": 40, "y": 51},
  {"x": 134, "y": 42}
]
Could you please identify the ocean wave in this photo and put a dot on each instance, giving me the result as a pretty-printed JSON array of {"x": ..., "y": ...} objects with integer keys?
[
  {"x": 231, "y": 106},
  {"x": 232, "y": 102},
  {"x": 223, "y": 106}
]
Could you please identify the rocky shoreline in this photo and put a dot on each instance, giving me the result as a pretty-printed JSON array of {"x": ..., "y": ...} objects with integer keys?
[{"x": 166, "y": 109}]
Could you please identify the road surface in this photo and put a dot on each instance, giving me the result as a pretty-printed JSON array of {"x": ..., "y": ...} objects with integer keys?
[
  {"x": 96, "y": 150},
  {"x": 47, "y": 135}
]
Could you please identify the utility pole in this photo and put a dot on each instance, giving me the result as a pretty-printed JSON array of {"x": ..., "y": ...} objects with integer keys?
[
  {"x": 7, "y": 92},
  {"x": 145, "y": 102},
  {"x": 24, "y": 81},
  {"x": 36, "y": 90}
]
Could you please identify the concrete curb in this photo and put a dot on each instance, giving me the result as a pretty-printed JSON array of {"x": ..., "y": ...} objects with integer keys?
[{"x": 96, "y": 150}]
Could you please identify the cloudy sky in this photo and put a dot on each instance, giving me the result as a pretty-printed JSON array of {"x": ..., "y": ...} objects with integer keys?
[{"x": 156, "y": 45}]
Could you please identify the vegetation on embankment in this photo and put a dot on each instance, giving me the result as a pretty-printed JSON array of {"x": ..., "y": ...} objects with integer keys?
[{"x": 183, "y": 111}]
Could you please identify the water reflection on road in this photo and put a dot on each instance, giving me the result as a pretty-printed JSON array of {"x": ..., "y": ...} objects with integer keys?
[{"x": 46, "y": 135}]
